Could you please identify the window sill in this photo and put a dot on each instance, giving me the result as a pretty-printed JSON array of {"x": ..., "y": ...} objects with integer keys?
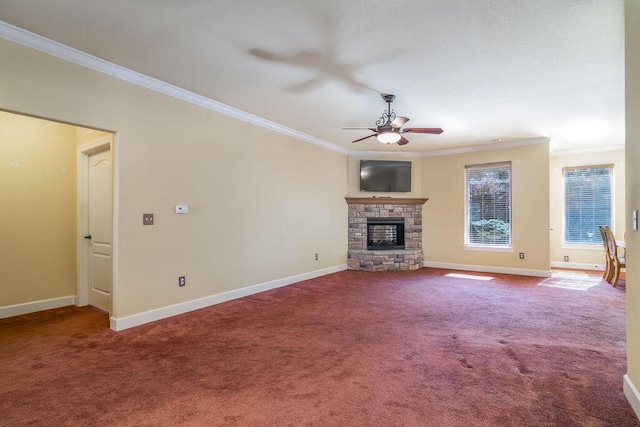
[{"x": 488, "y": 248}]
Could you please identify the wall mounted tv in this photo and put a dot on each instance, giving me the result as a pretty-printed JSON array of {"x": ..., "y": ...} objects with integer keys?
[{"x": 385, "y": 176}]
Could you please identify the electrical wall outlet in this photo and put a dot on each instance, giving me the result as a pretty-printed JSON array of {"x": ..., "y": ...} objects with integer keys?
[
  {"x": 566, "y": 258},
  {"x": 521, "y": 255},
  {"x": 182, "y": 281},
  {"x": 316, "y": 257},
  {"x": 147, "y": 219}
]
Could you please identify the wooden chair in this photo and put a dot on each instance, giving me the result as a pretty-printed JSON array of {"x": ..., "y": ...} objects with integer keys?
[
  {"x": 617, "y": 262},
  {"x": 607, "y": 258}
]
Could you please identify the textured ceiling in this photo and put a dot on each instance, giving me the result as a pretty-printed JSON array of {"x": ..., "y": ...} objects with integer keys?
[{"x": 481, "y": 70}]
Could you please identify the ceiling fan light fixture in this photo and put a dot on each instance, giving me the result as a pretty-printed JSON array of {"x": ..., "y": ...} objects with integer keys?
[
  {"x": 388, "y": 128},
  {"x": 388, "y": 137}
]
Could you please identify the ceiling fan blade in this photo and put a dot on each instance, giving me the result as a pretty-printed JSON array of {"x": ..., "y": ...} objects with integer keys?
[
  {"x": 399, "y": 121},
  {"x": 373, "y": 134},
  {"x": 436, "y": 131},
  {"x": 371, "y": 129},
  {"x": 403, "y": 141}
]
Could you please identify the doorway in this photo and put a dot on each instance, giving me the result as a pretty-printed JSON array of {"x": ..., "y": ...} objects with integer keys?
[
  {"x": 95, "y": 223},
  {"x": 41, "y": 227}
]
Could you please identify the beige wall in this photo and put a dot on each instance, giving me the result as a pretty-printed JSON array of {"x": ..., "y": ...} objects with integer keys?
[
  {"x": 84, "y": 135},
  {"x": 261, "y": 204},
  {"x": 354, "y": 177},
  {"x": 444, "y": 213},
  {"x": 583, "y": 255},
  {"x": 38, "y": 215},
  {"x": 632, "y": 47}
]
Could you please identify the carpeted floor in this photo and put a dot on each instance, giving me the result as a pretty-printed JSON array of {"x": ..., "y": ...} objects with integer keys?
[
  {"x": 580, "y": 281},
  {"x": 348, "y": 349}
]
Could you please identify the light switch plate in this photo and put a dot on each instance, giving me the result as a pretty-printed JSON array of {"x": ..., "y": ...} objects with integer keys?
[
  {"x": 182, "y": 209},
  {"x": 147, "y": 219}
]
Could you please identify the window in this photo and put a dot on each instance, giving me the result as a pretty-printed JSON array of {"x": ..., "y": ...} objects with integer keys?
[
  {"x": 488, "y": 219},
  {"x": 587, "y": 203}
]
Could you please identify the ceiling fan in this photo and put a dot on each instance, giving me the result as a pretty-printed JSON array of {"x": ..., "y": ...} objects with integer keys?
[{"x": 389, "y": 128}]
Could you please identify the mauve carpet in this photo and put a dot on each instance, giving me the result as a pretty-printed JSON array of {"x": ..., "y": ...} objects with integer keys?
[{"x": 348, "y": 349}]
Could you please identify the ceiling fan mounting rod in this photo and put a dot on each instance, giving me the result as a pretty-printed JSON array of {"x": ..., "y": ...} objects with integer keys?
[{"x": 387, "y": 116}]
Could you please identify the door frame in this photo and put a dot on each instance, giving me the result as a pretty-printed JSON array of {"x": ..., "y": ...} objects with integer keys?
[{"x": 82, "y": 219}]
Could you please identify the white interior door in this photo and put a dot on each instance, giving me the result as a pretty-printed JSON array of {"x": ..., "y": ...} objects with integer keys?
[{"x": 99, "y": 210}]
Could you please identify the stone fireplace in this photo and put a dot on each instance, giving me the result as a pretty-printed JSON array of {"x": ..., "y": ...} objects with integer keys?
[{"x": 385, "y": 233}]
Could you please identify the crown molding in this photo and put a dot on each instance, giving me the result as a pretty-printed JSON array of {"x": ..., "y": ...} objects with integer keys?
[
  {"x": 445, "y": 152},
  {"x": 488, "y": 147},
  {"x": 43, "y": 44},
  {"x": 357, "y": 153},
  {"x": 601, "y": 149},
  {"x": 67, "y": 53}
]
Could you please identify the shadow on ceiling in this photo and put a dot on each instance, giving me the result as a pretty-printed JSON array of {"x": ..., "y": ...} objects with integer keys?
[{"x": 324, "y": 64}]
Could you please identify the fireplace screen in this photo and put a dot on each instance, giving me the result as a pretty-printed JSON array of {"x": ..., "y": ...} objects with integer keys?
[{"x": 385, "y": 233}]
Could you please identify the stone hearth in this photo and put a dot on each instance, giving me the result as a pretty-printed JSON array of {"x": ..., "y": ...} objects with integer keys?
[{"x": 409, "y": 258}]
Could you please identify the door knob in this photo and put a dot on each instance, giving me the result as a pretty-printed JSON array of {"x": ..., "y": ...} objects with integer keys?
[{"x": 88, "y": 237}]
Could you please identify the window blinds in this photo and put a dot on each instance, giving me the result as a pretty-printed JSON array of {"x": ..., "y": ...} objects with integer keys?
[
  {"x": 587, "y": 203},
  {"x": 488, "y": 219}
]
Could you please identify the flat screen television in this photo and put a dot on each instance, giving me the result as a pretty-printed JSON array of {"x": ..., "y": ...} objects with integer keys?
[{"x": 385, "y": 176}]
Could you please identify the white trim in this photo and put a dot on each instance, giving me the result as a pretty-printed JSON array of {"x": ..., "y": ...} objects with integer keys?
[
  {"x": 82, "y": 221},
  {"x": 35, "y": 41},
  {"x": 475, "y": 148},
  {"x": 448, "y": 151},
  {"x": 577, "y": 265},
  {"x": 631, "y": 393},
  {"x": 119, "y": 324},
  {"x": 489, "y": 269},
  {"x": 383, "y": 153},
  {"x": 35, "y": 306},
  {"x": 115, "y": 233},
  {"x": 600, "y": 149},
  {"x": 95, "y": 146}
]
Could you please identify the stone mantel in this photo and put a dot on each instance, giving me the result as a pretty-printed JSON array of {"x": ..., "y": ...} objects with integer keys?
[{"x": 386, "y": 200}]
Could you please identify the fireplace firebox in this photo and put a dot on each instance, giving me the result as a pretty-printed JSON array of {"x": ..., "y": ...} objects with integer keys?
[{"x": 385, "y": 233}]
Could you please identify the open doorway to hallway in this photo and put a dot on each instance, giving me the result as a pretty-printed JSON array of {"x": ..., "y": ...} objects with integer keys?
[{"x": 41, "y": 252}]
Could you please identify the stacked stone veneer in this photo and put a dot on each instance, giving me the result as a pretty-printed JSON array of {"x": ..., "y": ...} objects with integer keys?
[{"x": 409, "y": 258}]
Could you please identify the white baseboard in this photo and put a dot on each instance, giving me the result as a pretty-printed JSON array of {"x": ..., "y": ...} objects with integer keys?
[
  {"x": 631, "y": 393},
  {"x": 489, "y": 269},
  {"x": 32, "y": 307},
  {"x": 121, "y": 323},
  {"x": 577, "y": 265}
]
